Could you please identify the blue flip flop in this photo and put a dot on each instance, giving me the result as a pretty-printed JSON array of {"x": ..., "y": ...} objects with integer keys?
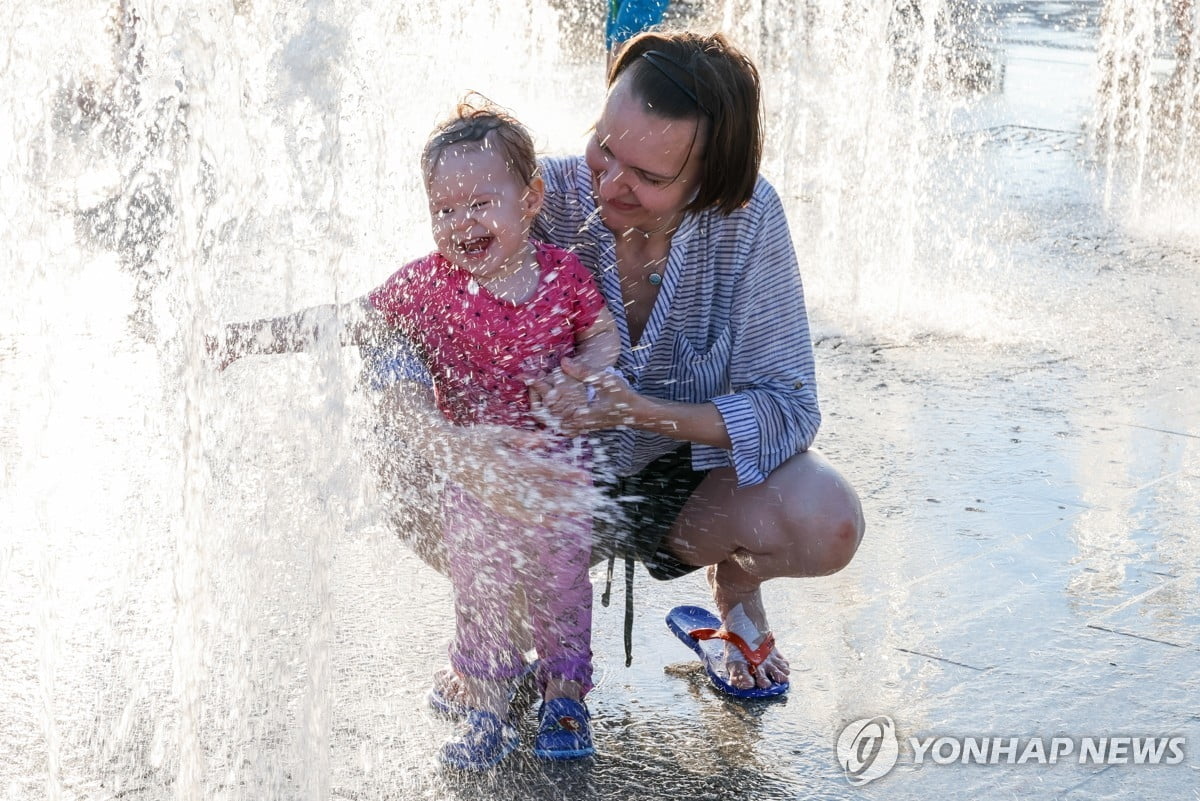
[{"x": 700, "y": 630}]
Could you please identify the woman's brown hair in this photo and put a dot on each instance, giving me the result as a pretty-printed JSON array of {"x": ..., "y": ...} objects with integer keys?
[{"x": 691, "y": 76}]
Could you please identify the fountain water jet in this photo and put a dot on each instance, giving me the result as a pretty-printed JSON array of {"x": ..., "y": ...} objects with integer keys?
[
  {"x": 1147, "y": 121},
  {"x": 215, "y": 604}
]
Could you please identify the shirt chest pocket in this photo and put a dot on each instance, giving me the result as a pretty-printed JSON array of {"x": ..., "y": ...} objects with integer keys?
[{"x": 695, "y": 375}]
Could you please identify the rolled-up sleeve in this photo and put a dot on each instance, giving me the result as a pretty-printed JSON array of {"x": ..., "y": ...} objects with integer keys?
[{"x": 772, "y": 411}]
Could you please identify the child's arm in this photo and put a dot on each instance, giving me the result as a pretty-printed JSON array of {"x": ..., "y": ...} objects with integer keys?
[
  {"x": 354, "y": 323},
  {"x": 597, "y": 347}
]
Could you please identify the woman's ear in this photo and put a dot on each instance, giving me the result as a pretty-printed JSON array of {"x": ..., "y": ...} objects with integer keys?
[{"x": 535, "y": 193}]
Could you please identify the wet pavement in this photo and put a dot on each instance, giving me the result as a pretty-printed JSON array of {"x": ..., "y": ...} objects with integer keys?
[{"x": 1031, "y": 484}]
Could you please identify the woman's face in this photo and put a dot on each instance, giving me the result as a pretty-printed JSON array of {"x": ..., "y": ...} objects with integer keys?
[{"x": 645, "y": 168}]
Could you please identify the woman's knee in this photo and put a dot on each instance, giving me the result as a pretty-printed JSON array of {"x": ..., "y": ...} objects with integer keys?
[
  {"x": 821, "y": 546},
  {"x": 842, "y": 543},
  {"x": 824, "y": 521}
]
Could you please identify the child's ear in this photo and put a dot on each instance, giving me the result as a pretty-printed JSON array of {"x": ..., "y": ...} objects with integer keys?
[{"x": 535, "y": 193}]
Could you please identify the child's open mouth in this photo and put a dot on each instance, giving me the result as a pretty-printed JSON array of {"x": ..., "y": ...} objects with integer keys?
[{"x": 475, "y": 247}]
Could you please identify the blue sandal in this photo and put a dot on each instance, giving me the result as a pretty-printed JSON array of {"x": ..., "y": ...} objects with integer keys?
[
  {"x": 486, "y": 740},
  {"x": 564, "y": 730},
  {"x": 520, "y": 699}
]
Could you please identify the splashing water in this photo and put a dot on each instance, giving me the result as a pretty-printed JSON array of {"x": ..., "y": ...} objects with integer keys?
[
  {"x": 201, "y": 597},
  {"x": 865, "y": 105},
  {"x": 1147, "y": 119}
]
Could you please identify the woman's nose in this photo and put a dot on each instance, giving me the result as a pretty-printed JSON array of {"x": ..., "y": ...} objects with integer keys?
[{"x": 614, "y": 176}]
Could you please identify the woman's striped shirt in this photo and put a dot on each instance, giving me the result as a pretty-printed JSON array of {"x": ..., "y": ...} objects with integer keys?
[{"x": 729, "y": 325}]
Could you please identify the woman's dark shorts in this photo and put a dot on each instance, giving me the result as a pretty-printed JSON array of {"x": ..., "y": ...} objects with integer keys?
[{"x": 644, "y": 508}]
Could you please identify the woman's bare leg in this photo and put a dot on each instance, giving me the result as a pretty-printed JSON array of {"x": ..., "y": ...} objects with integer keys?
[{"x": 804, "y": 520}]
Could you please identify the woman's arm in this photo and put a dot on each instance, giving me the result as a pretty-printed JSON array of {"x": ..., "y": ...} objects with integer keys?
[
  {"x": 614, "y": 403},
  {"x": 354, "y": 323},
  {"x": 768, "y": 410}
]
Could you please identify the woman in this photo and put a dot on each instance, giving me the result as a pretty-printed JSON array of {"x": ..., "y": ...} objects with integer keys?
[
  {"x": 708, "y": 419},
  {"x": 716, "y": 399}
]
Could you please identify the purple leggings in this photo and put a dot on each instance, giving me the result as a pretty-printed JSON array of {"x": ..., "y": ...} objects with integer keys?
[{"x": 491, "y": 556}]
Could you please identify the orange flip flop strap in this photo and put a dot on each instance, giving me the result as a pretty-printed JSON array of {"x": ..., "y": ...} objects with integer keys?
[{"x": 754, "y": 656}]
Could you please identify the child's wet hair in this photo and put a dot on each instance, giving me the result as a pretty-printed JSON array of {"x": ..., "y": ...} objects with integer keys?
[{"x": 479, "y": 121}]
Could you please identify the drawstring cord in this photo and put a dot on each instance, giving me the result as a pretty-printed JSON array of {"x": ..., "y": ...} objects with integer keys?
[
  {"x": 606, "y": 597},
  {"x": 628, "y": 611}
]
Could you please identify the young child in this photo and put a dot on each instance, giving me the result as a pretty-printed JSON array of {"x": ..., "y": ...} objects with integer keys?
[{"x": 489, "y": 311}]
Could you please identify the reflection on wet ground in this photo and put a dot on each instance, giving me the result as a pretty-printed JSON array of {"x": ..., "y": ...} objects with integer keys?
[{"x": 1030, "y": 568}]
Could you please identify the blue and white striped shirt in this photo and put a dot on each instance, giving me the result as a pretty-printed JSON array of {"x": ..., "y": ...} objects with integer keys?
[{"x": 729, "y": 325}]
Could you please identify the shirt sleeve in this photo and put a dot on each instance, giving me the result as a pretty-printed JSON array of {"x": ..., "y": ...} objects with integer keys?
[
  {"x": 398, "y": 359},
  {"x": 772, "y": 411},
  {"x": 392, "y": 296}
]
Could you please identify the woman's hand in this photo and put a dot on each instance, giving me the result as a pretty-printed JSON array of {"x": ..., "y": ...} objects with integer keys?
[
  {"x": 556, "y": 396},
  {"x": 578, "y": 401}
]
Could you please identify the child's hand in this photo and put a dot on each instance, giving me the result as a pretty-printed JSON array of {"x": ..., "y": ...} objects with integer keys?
[
  {"x": 533, "y": 501},
  {"x": 607, "y": 399},
  {"x": 519, "y": 440},
  {"x": 556, "y": 397},
  {"x": 524, "y": 455}
]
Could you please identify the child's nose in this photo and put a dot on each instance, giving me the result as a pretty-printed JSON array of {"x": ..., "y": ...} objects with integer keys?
[{"x": 462, "y": 219}]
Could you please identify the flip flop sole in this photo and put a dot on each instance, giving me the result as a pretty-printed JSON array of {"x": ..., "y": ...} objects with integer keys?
[{"x": 685, "y": 619}]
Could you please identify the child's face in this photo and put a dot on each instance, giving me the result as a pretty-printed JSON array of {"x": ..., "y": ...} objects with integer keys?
[{"x": 481, "y": 213}]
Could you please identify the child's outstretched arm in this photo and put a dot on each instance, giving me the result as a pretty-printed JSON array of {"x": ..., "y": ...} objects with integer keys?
[{"x": 354, "y": 323}]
